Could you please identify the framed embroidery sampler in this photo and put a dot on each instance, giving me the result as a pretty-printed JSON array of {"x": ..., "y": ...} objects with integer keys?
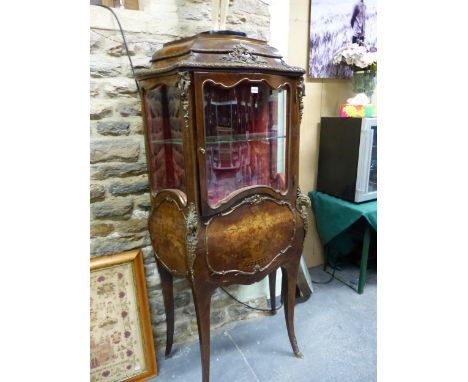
[{"x": 121, "y": 342}]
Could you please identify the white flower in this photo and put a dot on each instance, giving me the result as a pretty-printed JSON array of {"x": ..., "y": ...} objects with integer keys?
[
  {"x": 336, "y": 59},
  {"x": 354, "y": 55}
]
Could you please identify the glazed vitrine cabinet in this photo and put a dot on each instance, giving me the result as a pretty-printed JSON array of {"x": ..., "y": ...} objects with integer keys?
[{"x": 222, "y": 114}]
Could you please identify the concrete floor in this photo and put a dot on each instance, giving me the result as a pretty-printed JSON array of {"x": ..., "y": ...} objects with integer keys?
[{"x": 336, "y": 330}]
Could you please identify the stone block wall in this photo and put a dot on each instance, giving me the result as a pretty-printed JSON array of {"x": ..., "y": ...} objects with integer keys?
[{"x": 119, "y": 190}]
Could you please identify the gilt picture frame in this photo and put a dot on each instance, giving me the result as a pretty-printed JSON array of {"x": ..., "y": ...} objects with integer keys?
[{"x": 121, "y": 338}]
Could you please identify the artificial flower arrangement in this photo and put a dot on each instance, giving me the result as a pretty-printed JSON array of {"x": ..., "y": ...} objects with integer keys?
[
  {"x": 357, "y": 57},
  {"x": 363, "y": 63}
]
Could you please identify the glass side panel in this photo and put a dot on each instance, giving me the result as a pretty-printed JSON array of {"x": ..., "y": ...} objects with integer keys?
[
  {"x": 373, "y": 162},
  {"x": 165, "y": 138},
  {"x": 245, "y": 138}
]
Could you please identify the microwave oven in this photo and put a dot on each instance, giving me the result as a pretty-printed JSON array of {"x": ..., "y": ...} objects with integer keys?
[{"x": 347, "y": 165}]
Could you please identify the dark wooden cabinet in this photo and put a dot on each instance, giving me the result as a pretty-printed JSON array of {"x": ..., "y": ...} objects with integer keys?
[{"x": 222, "y": 115}]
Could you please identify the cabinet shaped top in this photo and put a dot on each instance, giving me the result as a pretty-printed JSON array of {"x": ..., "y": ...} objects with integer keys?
[{"x": 217, "y": 51}]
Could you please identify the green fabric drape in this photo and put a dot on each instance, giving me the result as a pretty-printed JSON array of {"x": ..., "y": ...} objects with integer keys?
[{"x": 334, "y": 217}]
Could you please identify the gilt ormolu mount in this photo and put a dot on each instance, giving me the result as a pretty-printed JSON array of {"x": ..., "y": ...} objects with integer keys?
[{"x": 222, "y": 115}]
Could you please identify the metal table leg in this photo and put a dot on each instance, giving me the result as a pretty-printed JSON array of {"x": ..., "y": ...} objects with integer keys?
[{"x": 364, "y": 258}]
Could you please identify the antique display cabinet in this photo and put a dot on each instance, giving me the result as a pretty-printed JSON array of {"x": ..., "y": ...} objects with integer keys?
[{"x": 222, "y": 115}]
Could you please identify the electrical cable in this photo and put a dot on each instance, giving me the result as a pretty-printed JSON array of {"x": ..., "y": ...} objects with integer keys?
[
  {"x": 328, "y": 281},
  {"x": 125, "y": 43},
  {"x": 249, "y": 306},
  {"x": 111, "y": 39},
  {"x": 105, "y": 36}
]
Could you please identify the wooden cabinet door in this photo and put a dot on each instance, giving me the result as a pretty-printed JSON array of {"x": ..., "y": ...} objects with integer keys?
[{"x": 243, "y": 136}]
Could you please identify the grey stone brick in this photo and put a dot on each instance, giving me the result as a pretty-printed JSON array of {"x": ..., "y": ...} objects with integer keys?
[
  {"x": 143, "y": 201},
  {"x": 99, "y": 111},
  {"x": 128, "y": 109},
  {"x": 101, "y": 229},
  {"x": 131, "y": 226},
  {"x": 120, "y": 86},
  {"x": 97, "y": 192},
  {"x": 107, "y": 170},
  {"x": 115, "y": 149},
  {"x": 113, "y": 128},
  {"x": 129, "y": 186},
  {"x": 100, "y": 68},
  {"x": 117, "y": 207}
]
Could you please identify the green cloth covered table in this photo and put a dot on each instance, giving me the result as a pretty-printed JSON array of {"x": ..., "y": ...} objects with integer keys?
[{"x": 334, "y": 217}]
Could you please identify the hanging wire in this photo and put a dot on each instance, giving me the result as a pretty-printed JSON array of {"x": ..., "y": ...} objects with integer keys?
[
  {"x": 103, "y": 35},
  {"x": 110, "y": 38},
  {"x": 124, "y": 40}
]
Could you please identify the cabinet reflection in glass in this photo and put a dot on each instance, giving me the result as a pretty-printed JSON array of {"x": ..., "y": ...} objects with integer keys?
[
  {"x": 245, "y": 136},
  {"x": 165, "y": 138}
]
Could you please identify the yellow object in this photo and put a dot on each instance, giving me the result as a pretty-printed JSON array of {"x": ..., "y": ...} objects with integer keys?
[{"x": 357, "y": 111}]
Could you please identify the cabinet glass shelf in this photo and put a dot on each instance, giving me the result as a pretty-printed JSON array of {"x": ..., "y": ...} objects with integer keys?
[
  {"x": 246, "y": 137},
  {"x": 167, "y": 141},
  {"x": 220, "y": 139}
]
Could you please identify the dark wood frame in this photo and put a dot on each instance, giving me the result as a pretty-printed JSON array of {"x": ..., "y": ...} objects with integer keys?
[{"x": 135, "y": 257}]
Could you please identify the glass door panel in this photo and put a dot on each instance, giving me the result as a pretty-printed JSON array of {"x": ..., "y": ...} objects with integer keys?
[
  {"x": 245, "y": 138},
  {"x": 165, "y": 138}
]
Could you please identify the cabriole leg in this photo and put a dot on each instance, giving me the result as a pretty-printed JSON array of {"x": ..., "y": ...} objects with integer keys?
[
  {"x": 288, "y": 291},
  {"x": 202, "y": 301},
  {"x": 168, "y": 295}
]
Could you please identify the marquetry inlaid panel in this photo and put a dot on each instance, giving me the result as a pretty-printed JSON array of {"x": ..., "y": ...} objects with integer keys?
[
  {"x": 167, "y": 229},
  {"x": 249, "y": 237}
]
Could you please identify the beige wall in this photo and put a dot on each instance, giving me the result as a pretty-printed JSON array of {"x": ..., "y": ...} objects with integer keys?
[{"x": 322, "y": 99}]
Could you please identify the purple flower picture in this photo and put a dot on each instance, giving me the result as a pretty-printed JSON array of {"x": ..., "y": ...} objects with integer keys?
[{"x": 333, "y": 25}]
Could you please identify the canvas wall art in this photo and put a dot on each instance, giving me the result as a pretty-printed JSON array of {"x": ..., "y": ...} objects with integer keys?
[
  {"x": 121, "y": 342},
  {"x": 335, "y": 23}
]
